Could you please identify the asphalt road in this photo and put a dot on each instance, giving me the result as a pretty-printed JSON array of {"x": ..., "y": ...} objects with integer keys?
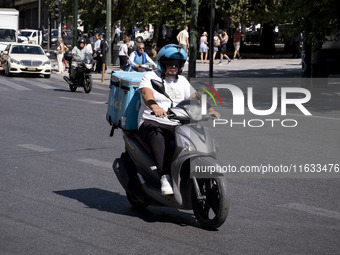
[{"x": 59, "y": 195}]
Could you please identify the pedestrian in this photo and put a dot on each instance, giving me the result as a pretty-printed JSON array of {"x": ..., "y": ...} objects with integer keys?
[
  {"x": 93, "y": 38},
  {"x": 295, "y": 46},
  {"x": 88, "y": 45},
  {"x": 123, "y": 54},
  {"x": 224, "y": 40},
  {"x": 64, "y": 60},
  {"x": 217, "y": 44},
  {"x": 237, "y": 35},
  {"x": 117, "y": 34},
  {"x": 101, "y": 57},
  {"x": 153, "y": 52},
  {"x": 60, "y": 54},
  {"x": 183, "y": 39},
  {"x": 204, "y": 47},
  {"x": 131, "y": 44},
  {"x": 96, "y": 49}
]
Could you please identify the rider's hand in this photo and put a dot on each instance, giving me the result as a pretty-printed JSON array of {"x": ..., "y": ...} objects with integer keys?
[
  {"x": 214, "y": 113},
  {"x": 159, "y": 111}
]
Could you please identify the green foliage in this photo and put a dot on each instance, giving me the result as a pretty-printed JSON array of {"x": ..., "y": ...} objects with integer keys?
[{"x": 318, "y": 17}]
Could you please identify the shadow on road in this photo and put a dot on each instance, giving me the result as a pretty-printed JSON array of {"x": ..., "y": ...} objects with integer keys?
[{"x": 113, "y": 202}]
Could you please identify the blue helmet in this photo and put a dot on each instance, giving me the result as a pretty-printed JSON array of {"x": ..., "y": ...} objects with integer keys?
[{"x": 171, "y": 52}]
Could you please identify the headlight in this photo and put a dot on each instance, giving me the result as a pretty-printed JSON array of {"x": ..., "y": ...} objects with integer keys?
[
  {"x": 48, "y": 62},
  {"x": 88, "y": 66},
  {"x": 186, "y": 144},
  {"x": 195, "y": 112},
  {"x": 15, "y": 61}
]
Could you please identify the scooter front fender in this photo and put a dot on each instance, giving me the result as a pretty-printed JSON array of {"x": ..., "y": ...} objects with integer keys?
[
  {"x": 183, "y": 170},
  {"x": 205, "y": 167}
]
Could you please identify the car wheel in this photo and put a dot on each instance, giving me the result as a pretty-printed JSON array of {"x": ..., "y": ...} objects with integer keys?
[
  {"x": 47, "y": 76},
  {"x": 139, "y": 39}
]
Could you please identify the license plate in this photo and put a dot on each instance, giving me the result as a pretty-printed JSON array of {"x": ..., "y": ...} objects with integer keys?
[{"x": 31, "y": 68}]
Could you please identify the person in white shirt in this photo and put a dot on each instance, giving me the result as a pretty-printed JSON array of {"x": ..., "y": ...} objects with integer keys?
[
  {"x": 154, "y": 126},
  {"x": 183, "y": 39},
  {"x": 123, "y": 54},
  {"x": 117, "y": 35},
  {"x": 88, "y": 46}
]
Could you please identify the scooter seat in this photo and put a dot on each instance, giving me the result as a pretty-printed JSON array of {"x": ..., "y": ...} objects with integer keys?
[{"x": 135, "y": 134}]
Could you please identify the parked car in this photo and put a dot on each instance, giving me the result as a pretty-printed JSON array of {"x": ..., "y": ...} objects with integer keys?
[
  {"x": 66, "y": 35},
  {"x": 144, "y": 35},
  {"x": 53, "y": 38},
  {"x": 30, "y": 36},
  {"x": 25, "y": 58}
]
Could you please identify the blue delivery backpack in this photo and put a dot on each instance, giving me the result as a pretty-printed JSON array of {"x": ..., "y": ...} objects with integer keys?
[{"x": 124, "y": 100}]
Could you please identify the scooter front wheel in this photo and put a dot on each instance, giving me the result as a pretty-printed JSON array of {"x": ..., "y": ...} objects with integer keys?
[
  {"x": 72, "y": 87},
  {"x": 211, "y": 209}
]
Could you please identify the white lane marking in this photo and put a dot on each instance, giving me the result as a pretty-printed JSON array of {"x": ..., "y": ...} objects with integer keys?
[
  {"x": 13, "y": 85},
  {"x": 85, "y": 100},
  {"x": 38, "y": 84},
  {"x": 99, "y": 94},
  {"x": 312, "y": 210},
  {"x": 35, "y": 147},
  {"x": 96, "y": 162}
]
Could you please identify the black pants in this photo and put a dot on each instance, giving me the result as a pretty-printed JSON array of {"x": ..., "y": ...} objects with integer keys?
[
  {"x": 100, "y": 62},
  {"x": 123, "y": 61},
  {"x": 160, "y": 137},
  {"x": 73, "y": 71}
]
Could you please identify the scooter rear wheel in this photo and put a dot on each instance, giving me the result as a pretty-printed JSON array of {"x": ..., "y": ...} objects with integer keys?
[
  {"x": 212, "y": 210},
  {"x": 136, "y": 202}
]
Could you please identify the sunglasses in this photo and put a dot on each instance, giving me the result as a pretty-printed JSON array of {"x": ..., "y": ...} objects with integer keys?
[
  {"x": 173, "y": 63},
  {"x": 141, "y": 48}
]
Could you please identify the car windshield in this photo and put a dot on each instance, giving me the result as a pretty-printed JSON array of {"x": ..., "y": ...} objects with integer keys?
[
  {"x": 7, "y": 35},
  {"x": 25, "y": 33},
  {"x": 27, "y": 49}
]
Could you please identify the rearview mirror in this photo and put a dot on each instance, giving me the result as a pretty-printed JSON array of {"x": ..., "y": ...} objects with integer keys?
[{"x": 159, "y": 87}]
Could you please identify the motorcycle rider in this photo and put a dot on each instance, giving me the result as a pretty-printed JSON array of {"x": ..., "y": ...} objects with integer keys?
[
  {"x": 139, "y": 57},
  {"x": 156, "y": 129},
  {"x": 79, "y": 53}
]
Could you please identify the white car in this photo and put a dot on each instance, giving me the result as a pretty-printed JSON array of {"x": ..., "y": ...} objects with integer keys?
[
  {"x": 144, "y": 35},
  {"x": 25, "y": 58},
  {"x": 30, "y": 36}
]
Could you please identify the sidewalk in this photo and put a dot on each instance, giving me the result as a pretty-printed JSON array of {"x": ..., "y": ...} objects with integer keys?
[{"x": 245, "y": 68}]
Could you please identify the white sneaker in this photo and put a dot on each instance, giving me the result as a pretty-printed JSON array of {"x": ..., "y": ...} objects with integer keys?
[{"x": 166, "y": 185}]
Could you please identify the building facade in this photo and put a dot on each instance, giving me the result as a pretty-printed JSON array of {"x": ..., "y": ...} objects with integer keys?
[{"x": 28, "y": 12}]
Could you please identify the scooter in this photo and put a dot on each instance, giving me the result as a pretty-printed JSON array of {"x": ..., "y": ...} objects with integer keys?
[
  {"x": 83, "y": 77},
  {"x": 142, "y": 68},
  {"x": 194, "y": 145}
]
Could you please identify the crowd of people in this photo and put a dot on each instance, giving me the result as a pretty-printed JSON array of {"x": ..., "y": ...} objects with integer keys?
[
  {"x": 132, "y": 55},
  {"x": 94, "y": 44},
  {"x": 221, "y": 39}
]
